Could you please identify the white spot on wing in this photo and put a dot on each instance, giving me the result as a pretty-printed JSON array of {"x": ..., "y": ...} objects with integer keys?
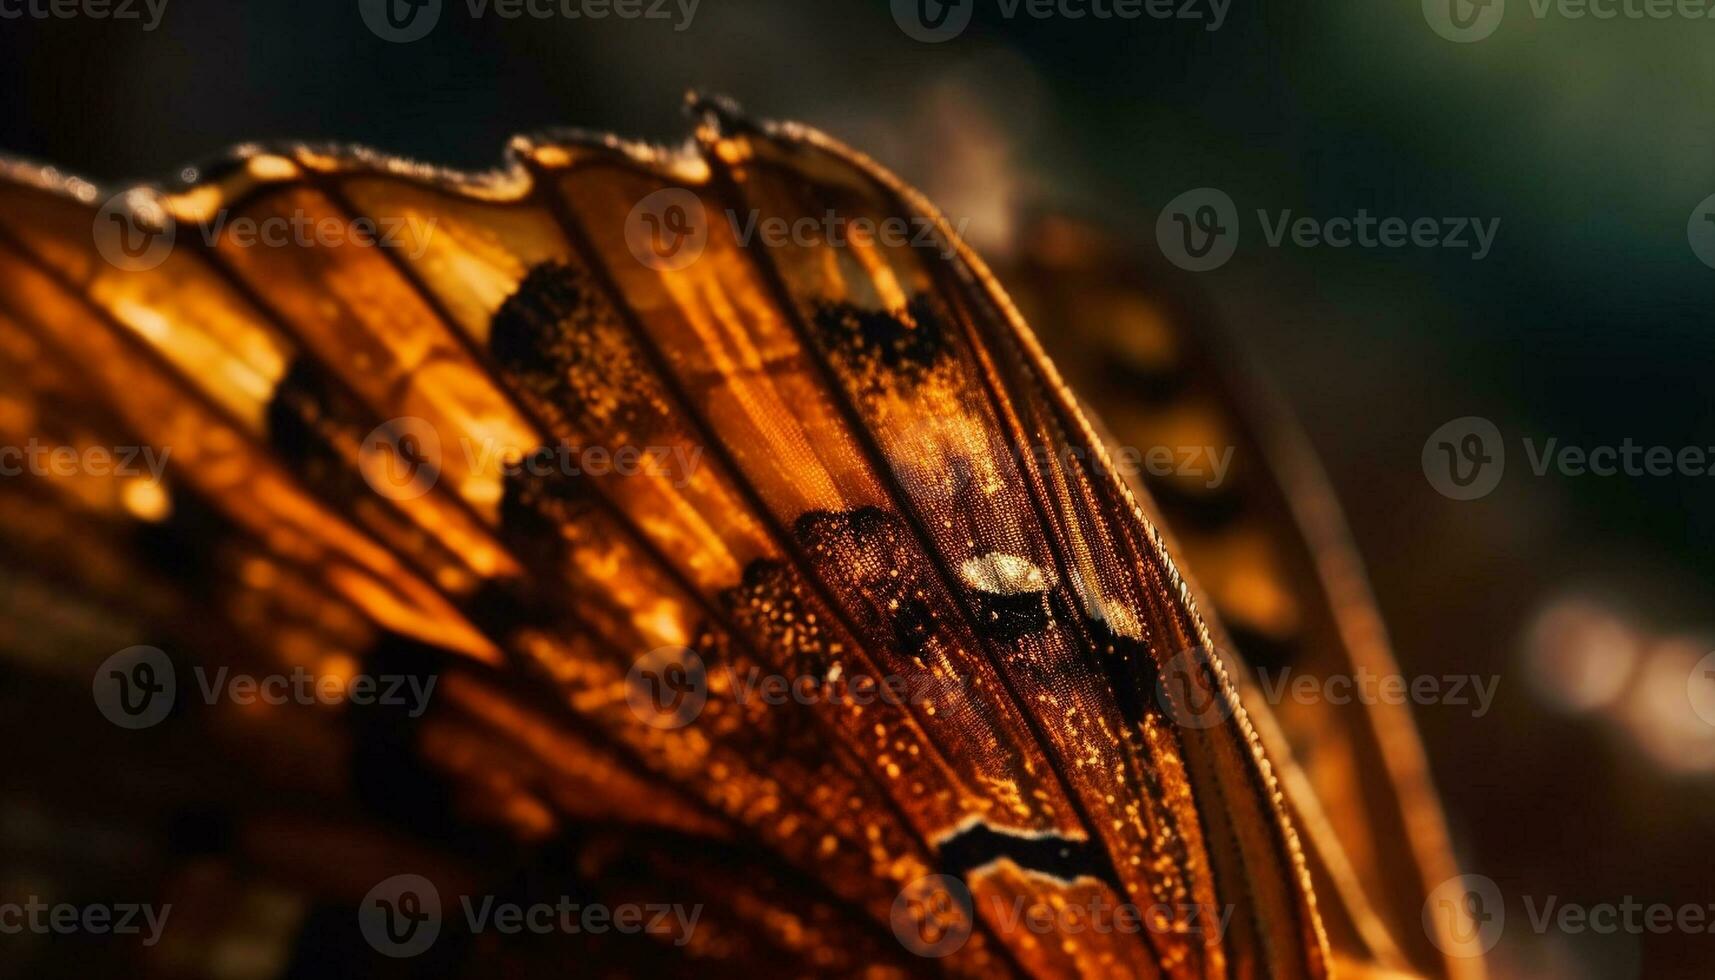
[{"x": 998, "y": 573}]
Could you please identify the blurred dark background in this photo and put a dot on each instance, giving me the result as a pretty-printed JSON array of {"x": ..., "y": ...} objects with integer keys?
[{"x": 1592, "y": 142}]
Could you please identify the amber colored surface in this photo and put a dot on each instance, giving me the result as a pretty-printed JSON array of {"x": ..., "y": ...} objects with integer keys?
[{"x": 867, "y": 500}]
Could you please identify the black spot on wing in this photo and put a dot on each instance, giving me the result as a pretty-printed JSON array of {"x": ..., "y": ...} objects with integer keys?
[
  {"x": 536, "y": 507},
  {"x": 877, "y": 344},
  {"x": 872, "y": 561},
  {"x": 1010, "y": 618},
  {"x": 573, "y": 360},
  {"x": 530, "y": 330},
  {"x": 980, "y": 844},
  {"x": 305, "y": 414},
  {"x": 1132, "y": 672}
]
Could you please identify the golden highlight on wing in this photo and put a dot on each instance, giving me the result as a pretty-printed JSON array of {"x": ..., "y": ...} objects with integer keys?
[{"x": 823, "y": 460}]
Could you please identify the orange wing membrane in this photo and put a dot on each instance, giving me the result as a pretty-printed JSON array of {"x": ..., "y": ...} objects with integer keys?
[{"x": 754, "y": 557}]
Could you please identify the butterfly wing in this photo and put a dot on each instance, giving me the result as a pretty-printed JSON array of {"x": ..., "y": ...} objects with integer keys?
[
  {"x": 1272, "y": 556},
  {"x": 849, "y": 459}
]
